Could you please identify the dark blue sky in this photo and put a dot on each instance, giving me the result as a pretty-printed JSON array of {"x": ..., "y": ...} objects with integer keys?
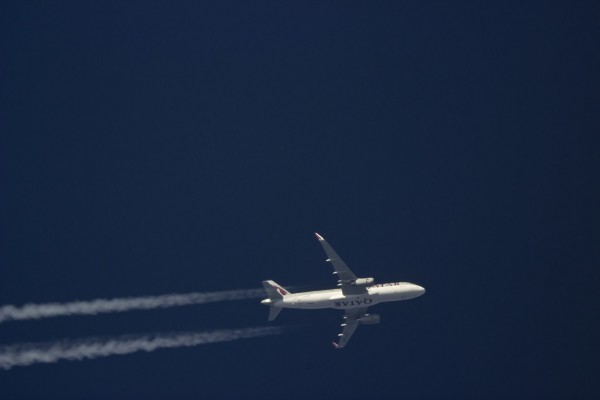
[{"x": 157, "y": 147}]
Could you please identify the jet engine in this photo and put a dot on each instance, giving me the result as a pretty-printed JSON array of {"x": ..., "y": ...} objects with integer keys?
[
  {"x": 369, "y": 319},
  {"x": 363, "y": 282}
]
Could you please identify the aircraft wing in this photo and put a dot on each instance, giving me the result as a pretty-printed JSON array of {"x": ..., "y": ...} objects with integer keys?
[
  {"x": 344, "y": 273},
  {"x": 350, "y": 324}
]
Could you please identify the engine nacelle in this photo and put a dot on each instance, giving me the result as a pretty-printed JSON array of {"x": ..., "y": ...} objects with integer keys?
[
  {"x": 363, "y": 282},
  {"x": 369, "y": 319}
]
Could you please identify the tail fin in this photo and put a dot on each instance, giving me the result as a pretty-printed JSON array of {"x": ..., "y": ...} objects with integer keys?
[{"x": 276, "y": 293}]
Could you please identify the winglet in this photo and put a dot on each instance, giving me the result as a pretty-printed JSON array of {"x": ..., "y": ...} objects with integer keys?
[
  {"x": 335, "y": 345},
  {"x": 319, "y": 237}
]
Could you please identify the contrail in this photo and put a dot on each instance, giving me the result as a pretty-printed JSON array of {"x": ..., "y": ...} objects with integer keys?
[
  {"x": 98, "y": 306},
  {"x": 20, "y": 355}
]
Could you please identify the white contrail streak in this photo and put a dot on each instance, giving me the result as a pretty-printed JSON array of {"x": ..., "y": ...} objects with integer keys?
[
  {"x": 20, "y": 355},
  {"x": 97, "y": 306}
]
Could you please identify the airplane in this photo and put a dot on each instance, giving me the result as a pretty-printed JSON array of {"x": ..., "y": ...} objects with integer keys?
[{"x": 354, "y": 296}]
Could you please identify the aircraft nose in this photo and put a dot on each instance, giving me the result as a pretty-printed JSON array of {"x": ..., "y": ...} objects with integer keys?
[{"x": 420, "y": 290}]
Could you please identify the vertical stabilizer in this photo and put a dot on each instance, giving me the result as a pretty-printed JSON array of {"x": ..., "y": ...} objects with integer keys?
[
  {"x": 276, "y": 294},
  {"x": 275, "y": 291}
]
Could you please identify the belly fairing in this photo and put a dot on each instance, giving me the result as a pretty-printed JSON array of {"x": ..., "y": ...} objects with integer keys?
[{"x": 308, "y": 301}]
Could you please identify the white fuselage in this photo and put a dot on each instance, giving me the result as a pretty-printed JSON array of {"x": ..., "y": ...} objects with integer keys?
[{"x": 334, "y": 298}]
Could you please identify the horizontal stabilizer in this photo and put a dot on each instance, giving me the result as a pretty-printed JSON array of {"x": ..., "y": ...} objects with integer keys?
[{"x": 274, "y": 312}]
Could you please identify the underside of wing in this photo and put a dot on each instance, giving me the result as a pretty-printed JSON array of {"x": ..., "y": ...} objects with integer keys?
[
  {"x": 351, "y": 322},
  {"x": 346, "y": 277}
]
